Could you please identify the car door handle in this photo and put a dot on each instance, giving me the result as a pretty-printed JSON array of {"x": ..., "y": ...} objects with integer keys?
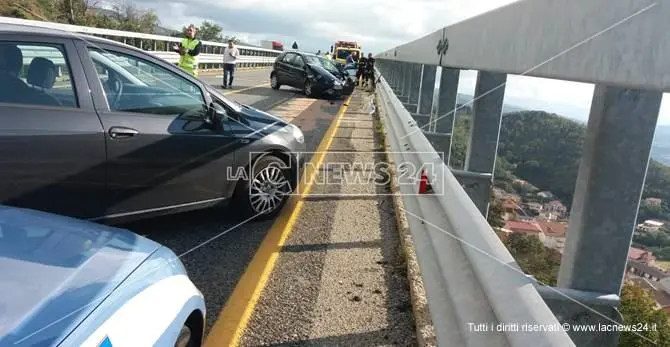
[{"x": 122, "y": 132}]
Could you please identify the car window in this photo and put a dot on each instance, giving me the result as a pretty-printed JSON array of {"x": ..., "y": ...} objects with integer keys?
[
  {"x": 288, "y": 58},
  {"x": 132, "y": 84},
  {"x": 35, "y": 74},
  {"x": 327, "y": 64},
  {"x": 311, "y": 59},
  {"x": 298, "y": 62}
]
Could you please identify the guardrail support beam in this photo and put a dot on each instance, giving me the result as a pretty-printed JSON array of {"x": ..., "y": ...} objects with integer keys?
[
  {"x": 405, "y": 80},
  {"x": 445, "y": 111},
  {"x": 485, "y": 130},
  {"x": 396, "y": 74},
  {"x": 427, "y": 89},
  {"x": 386, "y": 69},
  {"x": 414, "y": 84},
  {"x": 607, "y": 197}
]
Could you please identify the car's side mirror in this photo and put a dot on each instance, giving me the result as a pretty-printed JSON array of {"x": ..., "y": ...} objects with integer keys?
[{"x": 215, "y": 117}]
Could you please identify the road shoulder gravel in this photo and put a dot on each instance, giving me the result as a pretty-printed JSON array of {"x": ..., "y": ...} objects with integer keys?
[{"x": 425, "y": 331}]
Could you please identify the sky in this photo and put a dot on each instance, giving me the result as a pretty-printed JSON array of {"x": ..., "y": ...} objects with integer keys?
[{"x": 378, "y": 25}]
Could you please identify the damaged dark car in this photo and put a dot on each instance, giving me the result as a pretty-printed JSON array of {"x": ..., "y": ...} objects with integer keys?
[{"x": 314, "y": 75}]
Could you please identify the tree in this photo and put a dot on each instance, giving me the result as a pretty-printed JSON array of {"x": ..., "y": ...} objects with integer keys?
[
  {"x": 82, "y": 12},
  {"x": 130, "y": 18},
  {"x": 534, "y": 258},
  {"x": 207, "y": 31},
  {"x": 234, "y": 38},
  {"x": 638, "y": 307},
  {"x": 496, "y": 211},
  {"x": 295, "y": 45}
]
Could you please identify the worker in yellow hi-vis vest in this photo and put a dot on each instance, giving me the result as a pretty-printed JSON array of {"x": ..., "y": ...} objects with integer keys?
[{"x": 188, "y": 49}]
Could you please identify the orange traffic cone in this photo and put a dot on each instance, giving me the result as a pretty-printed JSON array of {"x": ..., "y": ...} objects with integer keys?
[{"x": 424, "y": 185}]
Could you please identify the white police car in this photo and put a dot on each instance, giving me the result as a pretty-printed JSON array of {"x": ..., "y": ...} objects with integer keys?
[{"x": 67, "y": 282}]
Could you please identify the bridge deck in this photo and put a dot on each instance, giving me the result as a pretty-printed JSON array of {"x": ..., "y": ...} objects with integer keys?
[
  {"x": 338, "y": 278},
  {"x": 336, "y": 250}
]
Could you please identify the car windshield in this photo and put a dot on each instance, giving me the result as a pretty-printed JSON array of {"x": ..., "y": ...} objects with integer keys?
[
  {"x": 343, "y": 53},
  {"x": 311, "y": 59},
  {"x": 327, "y": 64}
]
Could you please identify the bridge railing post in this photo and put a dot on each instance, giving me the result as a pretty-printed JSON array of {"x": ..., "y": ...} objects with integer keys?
[
  {"x": 413, "y": 87},
  {"x": 444, "y": 118},
  {"x": 482, "y": 149},
  {"x": 604, "y": 209}
]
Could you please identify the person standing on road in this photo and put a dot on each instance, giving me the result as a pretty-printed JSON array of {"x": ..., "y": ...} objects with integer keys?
[
  {"x": 370, "y": 71},
  {"x": 360, "y": 71},
  {"x": 188, "y": 50},
  {"x": 230, "y": 55}
]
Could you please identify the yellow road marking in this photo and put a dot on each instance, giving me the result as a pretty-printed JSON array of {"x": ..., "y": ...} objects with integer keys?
[
  {"x": 235, "y": 315},
  {"x": 245, "y": 89}
]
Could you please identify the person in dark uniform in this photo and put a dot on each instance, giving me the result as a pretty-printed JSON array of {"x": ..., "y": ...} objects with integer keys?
[
  {"x": 360, "y": 72},
  {"x": 369, "y": 73}
]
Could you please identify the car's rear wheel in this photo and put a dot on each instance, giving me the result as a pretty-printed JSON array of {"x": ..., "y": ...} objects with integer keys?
[
  {"x": 267, "y": 189},
  {"x": 185, "y": 338},
  {"x": 274, "y": 82}
]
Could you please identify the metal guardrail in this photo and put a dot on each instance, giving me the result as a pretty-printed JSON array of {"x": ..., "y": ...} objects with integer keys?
[
  {"x": 573, "y": 40},
  {"x": 469, "y": 276},
  {"x": 215, "y": 58},
  {"x": 211, "y": 56}
]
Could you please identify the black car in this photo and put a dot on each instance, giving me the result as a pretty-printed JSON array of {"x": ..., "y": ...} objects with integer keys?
[
  {"x": 341, "y": 72},
  {"x": 305, "y": 71},
  {"x": 95, "y": 129}
]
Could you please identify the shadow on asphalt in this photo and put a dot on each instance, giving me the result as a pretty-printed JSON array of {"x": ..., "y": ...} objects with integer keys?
[
  {"x": 267, "y": 92},
  {"x": 217, "y": 266}
]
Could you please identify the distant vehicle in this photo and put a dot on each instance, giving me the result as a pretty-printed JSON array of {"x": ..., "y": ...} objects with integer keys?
[
  {"x": 68, "y": 282},
  {"x": 123, "y": 134},
  {"x": 305, "y": 71},
  {"x": 342, "y": 49},
  {"x": 276, "y": 45}
]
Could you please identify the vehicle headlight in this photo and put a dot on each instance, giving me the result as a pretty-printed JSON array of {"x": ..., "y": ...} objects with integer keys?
[{"x": 297, "y": 133}]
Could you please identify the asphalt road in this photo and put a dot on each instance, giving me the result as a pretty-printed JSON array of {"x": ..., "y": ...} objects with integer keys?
[
  {"x": 213, "y": 245},
  {"x": 339, "y": 278}
]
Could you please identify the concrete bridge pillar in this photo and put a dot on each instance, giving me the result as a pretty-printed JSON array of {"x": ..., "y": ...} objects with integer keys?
[
  {"x": 404, "y": 81},
  {"x": 423, "y": 96},
  {"x": 413, "y": 87},
  {"x": 607, "y": 197},
  {"x": 484, "y": 133},
  {"x": 390, "y": 73},
  {"x": 409, "y": 82},
  {"x": 427, "y": 90},
  {"x": 397, "y": 74},
  {"x": 444, "y": 118}
]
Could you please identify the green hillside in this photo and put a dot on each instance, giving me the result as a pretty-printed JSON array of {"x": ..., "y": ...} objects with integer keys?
[
  {"x": 545, "y": 149},
  {"x": 122, "y": 16}
]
